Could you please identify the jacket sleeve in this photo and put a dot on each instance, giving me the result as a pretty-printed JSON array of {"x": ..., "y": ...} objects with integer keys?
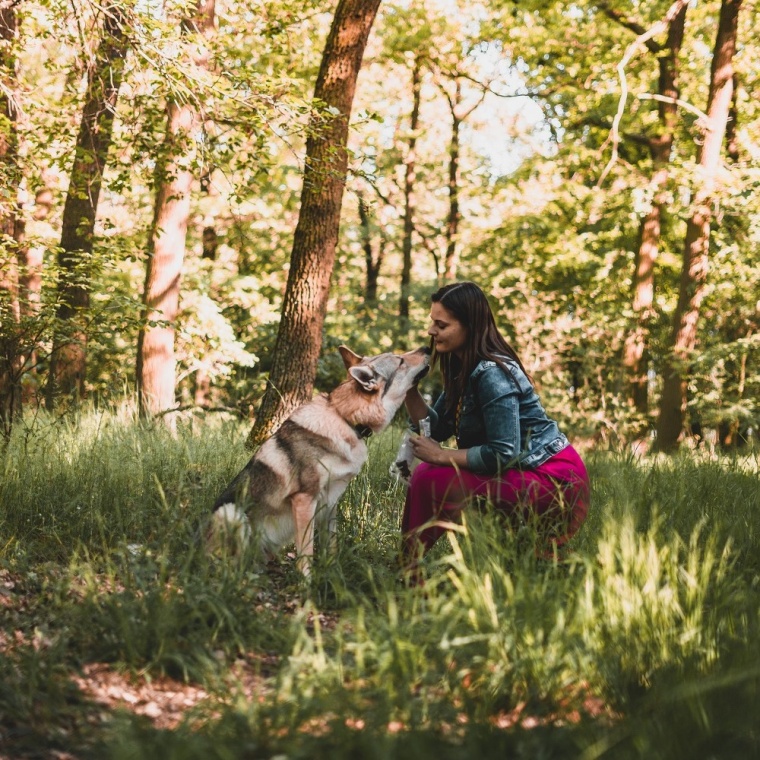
[{"x": 497, "y": 395}]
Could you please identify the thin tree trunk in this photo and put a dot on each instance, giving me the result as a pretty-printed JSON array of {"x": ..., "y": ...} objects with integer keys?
[
  {"x": 299, "y": 337},
  {"x": 11, "y": 231},
  {"x": 156, "y": 362},
  {"x": 451, "y": 263},
  {"x": 459, "y": 114},
  {"x": 410, "y": 179},
  {"x": 373, "y": 263},
  {"x": 31, "y": 261},
  {"x": 732, "y": 130},
  {"x": 11, "y": 357},
  {"x": 636, "y": 351},
  {"x": 696, "y": 244},
  {"x": 69, "y": 358}
]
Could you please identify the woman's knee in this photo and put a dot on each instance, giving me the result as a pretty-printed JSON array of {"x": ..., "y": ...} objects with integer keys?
[{"x": 440, "y": 483}]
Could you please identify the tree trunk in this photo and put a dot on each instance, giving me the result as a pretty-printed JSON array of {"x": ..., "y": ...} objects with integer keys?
[
  {"x": 299, "y": 337},
  {"x": 156, "y": 363},
  {"x": 156, "y": 375},
  {"x": 733, "y": 433},
  {"x": 373, "y": 262},
  {"x": 451, "y": 263},
  {"x": 636, "y": 351},
  {"x": 410, "y": 178},
  {"x": 69, "y": 356},
  {"x": 696, "y": 244},
  {"x": 460, "y": 112},
  {"x": 11, "y": 232},
  {"x": 732, "y": 129}
]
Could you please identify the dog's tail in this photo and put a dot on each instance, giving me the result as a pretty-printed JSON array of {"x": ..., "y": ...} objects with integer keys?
[{"x": 229, "y": 529}]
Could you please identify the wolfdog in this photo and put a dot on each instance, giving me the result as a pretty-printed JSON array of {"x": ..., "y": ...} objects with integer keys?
[{"x": 298, "y": 475}]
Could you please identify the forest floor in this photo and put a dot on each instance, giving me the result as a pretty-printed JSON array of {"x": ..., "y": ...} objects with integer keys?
[{"x": 120, "y": 639}]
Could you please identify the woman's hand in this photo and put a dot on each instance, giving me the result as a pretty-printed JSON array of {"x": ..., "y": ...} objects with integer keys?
[{"x": 430, "y": 451}]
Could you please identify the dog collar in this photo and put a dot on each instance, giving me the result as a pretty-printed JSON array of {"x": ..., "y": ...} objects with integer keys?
[{"x": 362, "y": 431}]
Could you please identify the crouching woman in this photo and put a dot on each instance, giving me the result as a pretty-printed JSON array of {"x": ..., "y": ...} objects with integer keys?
[{"x": 509, "y": 452}]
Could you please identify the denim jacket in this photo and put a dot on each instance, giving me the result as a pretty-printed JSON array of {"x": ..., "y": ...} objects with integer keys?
[{"x": 501, "y": 424}]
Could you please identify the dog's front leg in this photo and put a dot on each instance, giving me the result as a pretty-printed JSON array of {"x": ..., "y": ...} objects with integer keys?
[
  {"x": 303, "y": 506},
  {"x": 332, "y": 528}
]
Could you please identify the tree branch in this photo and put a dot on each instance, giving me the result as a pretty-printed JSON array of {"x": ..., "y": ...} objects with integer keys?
[
  {"x": 631, "y": 25},
  {"x": 630, "y": 51}
]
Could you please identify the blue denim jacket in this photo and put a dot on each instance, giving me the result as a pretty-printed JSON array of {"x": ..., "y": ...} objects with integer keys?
[{"x": 501, "y": 424}]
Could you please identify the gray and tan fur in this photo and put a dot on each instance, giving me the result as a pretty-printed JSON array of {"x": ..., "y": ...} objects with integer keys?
[{"x": 296, "y": 478}]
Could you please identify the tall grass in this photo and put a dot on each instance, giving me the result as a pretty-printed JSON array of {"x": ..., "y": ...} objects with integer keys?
[{"x": 641, "y": 641}]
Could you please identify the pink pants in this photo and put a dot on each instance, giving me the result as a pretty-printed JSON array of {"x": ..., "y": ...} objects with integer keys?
[{"x": 557, "y": 490}]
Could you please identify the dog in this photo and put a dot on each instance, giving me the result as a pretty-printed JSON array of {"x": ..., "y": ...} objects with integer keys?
[{"x": 298, "y": 475}]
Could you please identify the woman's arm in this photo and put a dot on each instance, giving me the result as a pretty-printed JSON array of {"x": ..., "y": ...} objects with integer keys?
[
  {"x": 496, "y": 396},
  {"x": 430, "y": 451},
  {"x": 415, "y": 405}
]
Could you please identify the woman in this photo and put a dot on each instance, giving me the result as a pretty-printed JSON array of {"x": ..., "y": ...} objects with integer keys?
[{"x": 509, "y": 451}]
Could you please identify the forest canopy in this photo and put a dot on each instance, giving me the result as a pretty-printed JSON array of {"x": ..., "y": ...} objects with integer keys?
[{"x": 594, "y": 166}]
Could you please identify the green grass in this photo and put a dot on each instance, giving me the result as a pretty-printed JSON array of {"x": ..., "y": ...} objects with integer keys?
[{"x": 640, "y": 641}]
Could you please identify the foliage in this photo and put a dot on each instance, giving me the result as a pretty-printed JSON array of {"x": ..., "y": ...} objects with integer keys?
[{"x": 549, "y": 225}]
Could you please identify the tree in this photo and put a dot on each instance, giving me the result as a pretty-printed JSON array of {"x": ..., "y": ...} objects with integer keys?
[
  {"x": 299, "y": 336},
  {"x": 156, "y": 364},
  {"x": 410, "y": 176},
  {"x": 691, "y": 291},
  {"x": 660, "y": 145},
  {"x": 460, "y": 111},
  {"x": 373, "y": 262},
  {"x": 105, "y": 73},
  {"x": 11, "y": 358}
]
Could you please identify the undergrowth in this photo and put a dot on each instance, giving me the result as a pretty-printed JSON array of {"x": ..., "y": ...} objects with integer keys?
[{"x": 640, "y": 640}]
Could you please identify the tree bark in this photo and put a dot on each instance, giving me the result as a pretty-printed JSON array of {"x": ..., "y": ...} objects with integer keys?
[
  {"x": 156, "y": 362},
  {"x": 670, "y": 423},
  {"x": 299, "y": 337},
  {"x": 410, "y": 179},
  {"x": 11, "y": 231},
  {"x": 373, "y": 263},
  {"x": 459, "y": 114},
  {"x": 69, "y": 357},
  {"x": 451, "y": 263},
  {"x": 636, "y": 351}
]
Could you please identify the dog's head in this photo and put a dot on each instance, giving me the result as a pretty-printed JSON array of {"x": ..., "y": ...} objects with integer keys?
[{"x": 383, "y": 381}]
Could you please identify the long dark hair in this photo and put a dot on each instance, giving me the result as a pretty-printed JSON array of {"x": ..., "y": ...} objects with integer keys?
[{"x": 468, "y": 304}]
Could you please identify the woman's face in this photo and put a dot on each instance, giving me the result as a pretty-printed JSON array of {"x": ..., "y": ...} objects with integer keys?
[{"x": 448, "y": 333}]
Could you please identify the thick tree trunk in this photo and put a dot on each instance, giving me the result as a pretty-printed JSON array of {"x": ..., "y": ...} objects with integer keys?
[
  {"x": 299, "y": 337},
  {"x": 156, "y": 363},
  {"x": 733, "y": 433},
  {"x": 156, "y": 376},
  {"x": 696, "y": 245},
  {"x": 69, "y": 357},
  {"x": 11, "y": 232},
  {"x": 410, "y": 179},
  {"x": 636, "y": 352}
]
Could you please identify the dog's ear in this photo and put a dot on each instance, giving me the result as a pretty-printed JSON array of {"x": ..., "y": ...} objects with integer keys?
[
  {"x": 350, "y": 359},
  {"x": 365, "y": 376}
]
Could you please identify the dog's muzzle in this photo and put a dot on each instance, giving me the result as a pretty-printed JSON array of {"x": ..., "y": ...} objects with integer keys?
[{"x": 421, "y": 374}]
